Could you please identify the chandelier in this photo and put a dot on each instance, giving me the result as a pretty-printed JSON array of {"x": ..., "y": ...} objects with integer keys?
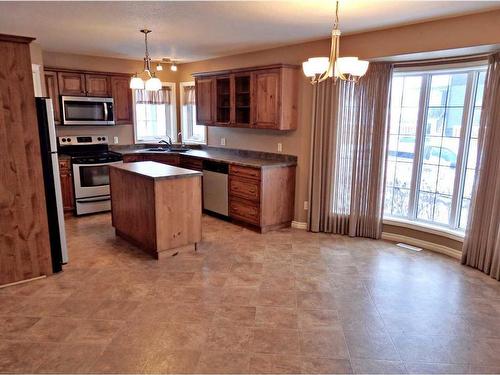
[
  {"x": 349, "y": 69},
  {"x": 149, "y": 81}
]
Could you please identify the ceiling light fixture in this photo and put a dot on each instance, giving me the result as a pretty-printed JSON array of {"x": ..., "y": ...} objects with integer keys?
[
  {"x": 349, "y": 69},
  {"x": 173, "y": 65},
  {"x": 150, "y": 83}
]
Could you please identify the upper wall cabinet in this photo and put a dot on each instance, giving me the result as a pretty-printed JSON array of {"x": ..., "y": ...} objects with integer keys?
[
  {"x": 260, "y": 97},
  {"x": 205, "y": 100},
  {"x": 71, "y": 83},
  {"x": 122, "y": 99},
  {"x": 60, "y": 82},
  {"x": 97, "y": 85}
]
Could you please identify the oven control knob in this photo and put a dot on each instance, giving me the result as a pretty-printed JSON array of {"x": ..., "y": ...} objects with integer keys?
[
  {"x": 98, "y": 138},
  {"x": 68, "y": 139},
  {"x": 63, "y": 139}
]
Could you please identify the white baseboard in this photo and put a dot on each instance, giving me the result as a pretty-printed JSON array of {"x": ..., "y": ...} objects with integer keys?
[
  {"x": 299, "y": 225},
  {"x": 457, "y": 254}
]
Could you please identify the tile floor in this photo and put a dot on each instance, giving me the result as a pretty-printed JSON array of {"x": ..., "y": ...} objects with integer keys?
[{"x": 284, "y": 302}]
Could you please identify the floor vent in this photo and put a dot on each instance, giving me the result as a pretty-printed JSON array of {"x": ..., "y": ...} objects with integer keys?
[{"x": 409, "y": 247}]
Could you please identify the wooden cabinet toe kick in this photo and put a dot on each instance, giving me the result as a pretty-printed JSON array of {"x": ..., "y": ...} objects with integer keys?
[{"x": 158, "y": 254}]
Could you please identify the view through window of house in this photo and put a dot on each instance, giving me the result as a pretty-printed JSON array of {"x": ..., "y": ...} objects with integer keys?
[
  {"x": 191, "y": 132},
  {"x": 433, "y": 144},
  {"x": 155, "y": 114}
]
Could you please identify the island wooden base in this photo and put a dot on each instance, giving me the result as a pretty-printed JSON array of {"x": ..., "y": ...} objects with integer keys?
[
  {"x": 161, "y": 215},
  {"x": 158, "y": 254}
]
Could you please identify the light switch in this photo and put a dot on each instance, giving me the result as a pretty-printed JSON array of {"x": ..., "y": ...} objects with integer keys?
[
  {"x": 115, "y": 140},
  {"x": 280, "y": 147},
  {"x": 223, "y": 141}
]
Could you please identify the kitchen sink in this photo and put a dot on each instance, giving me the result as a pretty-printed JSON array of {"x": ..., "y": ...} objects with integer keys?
[
  {"x": 158, "y": 149},
  {"x": 179, "y": 149}
]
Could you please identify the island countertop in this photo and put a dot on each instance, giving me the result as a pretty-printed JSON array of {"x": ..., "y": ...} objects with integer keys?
[{"x": 156, "y": 171}]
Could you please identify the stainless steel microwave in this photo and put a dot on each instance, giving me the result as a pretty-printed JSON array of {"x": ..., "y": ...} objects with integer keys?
[{"x": 82, "y": 110}]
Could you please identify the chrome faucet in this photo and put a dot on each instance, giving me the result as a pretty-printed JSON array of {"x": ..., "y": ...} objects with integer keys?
[{"x": 168, "y": 144}]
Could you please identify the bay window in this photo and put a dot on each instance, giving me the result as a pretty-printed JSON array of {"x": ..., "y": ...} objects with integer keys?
[{"x": 432, "y": 146}]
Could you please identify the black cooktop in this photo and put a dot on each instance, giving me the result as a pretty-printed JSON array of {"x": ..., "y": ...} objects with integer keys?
[{"x": 95, "y": 157}]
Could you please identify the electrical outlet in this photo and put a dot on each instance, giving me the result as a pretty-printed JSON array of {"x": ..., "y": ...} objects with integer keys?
[
  {"x": 280, "y": 147},
  {"x": 115, "y": 140},
  {"x": 306, "y": 205},
  {"x": 223, "y": 141}
]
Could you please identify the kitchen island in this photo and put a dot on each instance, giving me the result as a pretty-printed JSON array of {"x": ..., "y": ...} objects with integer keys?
[{"x": 157, "y": 207}]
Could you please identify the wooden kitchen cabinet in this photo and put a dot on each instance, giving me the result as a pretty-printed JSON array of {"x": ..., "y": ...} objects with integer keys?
[
  {"x": 170, "y": 159},
  {"x": 205, "y": 100},
  {"x": 261, "y": 97},
  {"x": 60, "y": 81},
  {"x": 52, "y": 91},
  {"x": 97, "y": 85},
  {"x": 266, "y": 108},
  {"x": 71, "y": 83},
  {"x": 189, "y": 162},
  {"x": 25, "y": 251},
  {"x": 122, "y": 99},
  {"x": 67, "y": 189},
  {"x": 262, "y": 197}
]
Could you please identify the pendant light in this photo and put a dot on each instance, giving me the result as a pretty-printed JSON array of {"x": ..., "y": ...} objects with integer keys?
[
  {"x": 349, "y": 69},
  {"x": 151, "y": 83}
]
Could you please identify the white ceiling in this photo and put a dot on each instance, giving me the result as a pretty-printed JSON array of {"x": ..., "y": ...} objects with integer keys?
[{"x": 195, "y": 30}]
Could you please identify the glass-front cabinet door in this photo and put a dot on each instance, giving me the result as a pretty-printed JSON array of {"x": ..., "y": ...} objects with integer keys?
[{"x": 223, "y": 100}]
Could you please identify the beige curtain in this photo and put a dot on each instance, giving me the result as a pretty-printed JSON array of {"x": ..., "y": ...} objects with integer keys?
[
  {"x": 349, "y": 133},
  {"x": 189, "y": 97},
  {"x": 482, "y": 239},
  {"x": 161, "y": 96}
]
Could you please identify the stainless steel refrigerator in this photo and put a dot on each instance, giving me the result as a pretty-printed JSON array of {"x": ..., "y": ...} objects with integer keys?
[{"x": 53, "y": 195}]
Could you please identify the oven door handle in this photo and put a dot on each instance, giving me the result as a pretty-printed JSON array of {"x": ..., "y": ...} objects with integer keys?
[
  {"x": 93, "y": 200},
  {"x": 76, "y": 166}
]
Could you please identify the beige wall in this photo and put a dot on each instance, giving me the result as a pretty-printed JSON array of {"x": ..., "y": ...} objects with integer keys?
[
  {"x": 125, "y": 133},
  {"x": 459, "y": 32}
]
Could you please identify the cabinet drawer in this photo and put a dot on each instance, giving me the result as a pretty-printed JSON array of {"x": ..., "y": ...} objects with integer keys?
[
  {"x": 244, "y": 188},
  {"x": 132, "y": 158},
  {"x": 191, "y": 163},
  {"x": 165, "y": 159},
  {"x": 245, "y": 211},
  {"x": 236, "y": 170}
]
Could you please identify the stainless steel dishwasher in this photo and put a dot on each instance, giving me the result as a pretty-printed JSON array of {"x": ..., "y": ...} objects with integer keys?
[{"x": 215, "y": 187}]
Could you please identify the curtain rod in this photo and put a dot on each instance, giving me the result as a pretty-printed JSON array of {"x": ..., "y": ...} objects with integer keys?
[{"x": 447, "y": 60}]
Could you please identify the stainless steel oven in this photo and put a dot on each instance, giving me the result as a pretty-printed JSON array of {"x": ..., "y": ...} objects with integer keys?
[
  {"x": 91, "y": 181},
  {"x": 81, "y": 110}
]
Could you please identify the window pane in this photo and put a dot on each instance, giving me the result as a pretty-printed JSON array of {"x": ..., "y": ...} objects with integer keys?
[
  {"x": 453, "y": 122},
  {"x": 400, "y": 201},
  {"x": 425, "y": 209},
  {"x": 480, "y": 89},
  {"x": 411, "y": 93},
  {"x": 435, "y": 120},
  {"x": 439, "y": 90},
  {"x": 464, "y": 213},
  {"x": 475, "y": 122},
  {"x": 445, "y": 181},
  {"x": 442, "y": 209},
  {"x": 428, "y": 180},
  {"x": 457, "y": 88}
]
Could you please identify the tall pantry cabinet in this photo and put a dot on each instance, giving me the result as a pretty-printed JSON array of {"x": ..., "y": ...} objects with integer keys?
[{"x": 24, "y": 237}]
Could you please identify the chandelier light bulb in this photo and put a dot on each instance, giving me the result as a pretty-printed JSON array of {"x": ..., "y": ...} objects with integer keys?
[
  {"x": 159, "y": 67},
  {"x": 173, "y": 67}
]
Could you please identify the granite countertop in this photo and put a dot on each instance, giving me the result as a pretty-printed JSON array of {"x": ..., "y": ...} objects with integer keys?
[
  {"x": 156, "y": 171},
  {"x": 231, "y": 156}
]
